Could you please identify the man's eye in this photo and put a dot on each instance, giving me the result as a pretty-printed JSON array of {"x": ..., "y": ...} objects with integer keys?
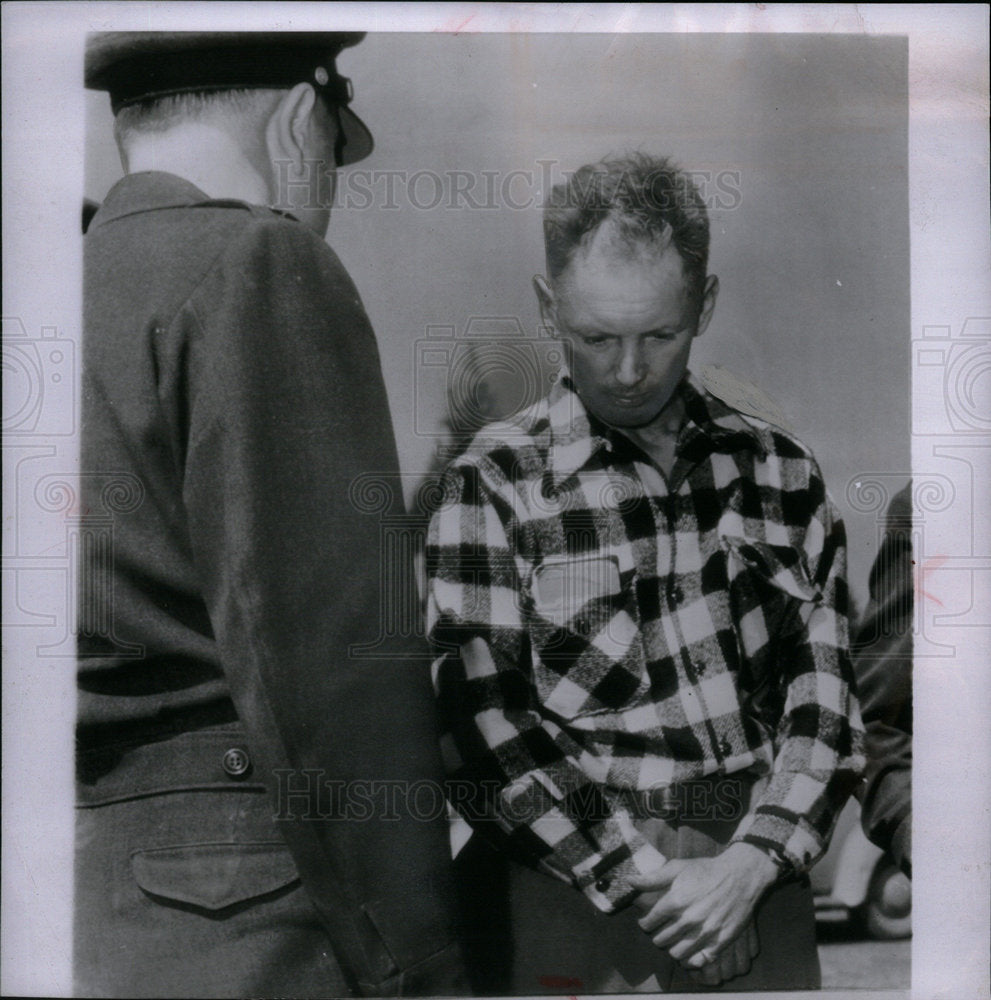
[{"x": 596, "y": 341}]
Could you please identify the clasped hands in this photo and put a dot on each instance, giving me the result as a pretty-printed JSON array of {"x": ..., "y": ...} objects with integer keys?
[{"x": 701, "y": 910}]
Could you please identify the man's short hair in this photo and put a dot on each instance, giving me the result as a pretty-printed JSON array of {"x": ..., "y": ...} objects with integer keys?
[
  {"x": 241, "y": 111},
  {"x": 650, "y": 202}
]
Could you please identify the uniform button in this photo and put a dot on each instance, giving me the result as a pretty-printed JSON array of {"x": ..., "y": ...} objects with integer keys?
[
  {"x": 700, "y": 666},
  {"x": 677, "y": 594},
  {"x": 602, "y": 884},
  {"x": 236, "y": 762},
  {"x": 725, "y": 748},
  {"x": 582, "y": 626}
]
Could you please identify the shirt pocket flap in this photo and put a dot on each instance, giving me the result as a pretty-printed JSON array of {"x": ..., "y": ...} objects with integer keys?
[
  {"x": 564, "y": 585},
  {"x": 214, "y": 876},
  {"x": 782, "y": 566}
]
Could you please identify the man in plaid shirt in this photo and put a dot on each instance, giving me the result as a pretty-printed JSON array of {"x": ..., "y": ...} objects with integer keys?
[{"x": 638, "y": 600}]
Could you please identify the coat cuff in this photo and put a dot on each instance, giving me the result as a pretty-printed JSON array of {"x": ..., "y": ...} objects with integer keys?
[{"x": 440, "y": 975}]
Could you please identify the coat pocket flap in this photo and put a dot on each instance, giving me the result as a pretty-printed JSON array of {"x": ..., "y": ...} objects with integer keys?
[
  {"x": 781, "y": 566},
  {"x": 214, "y": 876}
]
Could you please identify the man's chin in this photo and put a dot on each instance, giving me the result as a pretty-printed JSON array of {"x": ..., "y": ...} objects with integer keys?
[{"x": 629, "y": 419}]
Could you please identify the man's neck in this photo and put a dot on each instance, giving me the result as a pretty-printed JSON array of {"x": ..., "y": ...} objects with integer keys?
[
  {"x": 205, "y": 156},
  {"x": 659, "y": 438}
]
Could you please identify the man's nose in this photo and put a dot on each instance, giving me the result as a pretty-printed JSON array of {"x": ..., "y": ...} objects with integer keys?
[{"x": 631, "y": 368}]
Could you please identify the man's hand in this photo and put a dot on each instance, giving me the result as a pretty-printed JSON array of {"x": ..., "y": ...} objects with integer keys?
[
  {"x": 735, "y": 960},
  {"x": 700, "y": 906}
]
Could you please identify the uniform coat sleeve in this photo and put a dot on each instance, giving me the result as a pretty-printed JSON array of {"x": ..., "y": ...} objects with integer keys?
[{"x": 287, "y": 409}]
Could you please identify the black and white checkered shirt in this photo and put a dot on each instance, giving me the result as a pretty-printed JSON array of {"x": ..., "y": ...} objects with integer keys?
[{"x": 601, "y": 628}]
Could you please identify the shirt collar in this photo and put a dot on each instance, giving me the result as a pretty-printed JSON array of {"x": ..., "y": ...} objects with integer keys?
[
  {"x": 720, "y": 423},
  {"x": 576, "y": 435}
]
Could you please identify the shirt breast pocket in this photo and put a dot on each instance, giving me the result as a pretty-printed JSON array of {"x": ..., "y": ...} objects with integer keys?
[
  {"x": 781, "y": 568},
  {"x": 589, "y": 657},
  {"x": 575, "y": 592}
]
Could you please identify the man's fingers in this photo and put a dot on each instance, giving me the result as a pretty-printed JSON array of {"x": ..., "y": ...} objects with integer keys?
[
  {"x": 695, "y": 947},
  {"x": 697, "y": 958},
  {"x": 660, "y": 878},
  {"x": 695, "y": 944},
  {"x": 741, "y": 953},
  {"x": 709, "y": 967},
  {"x": 753, "y": 941},
  {"x": 736, "y": 961},
  {"x": 712, "y": 974},
  {"x": 670, "y": 938},
  {"x": 708, "y": 975},
  {"x": 660, "y": 914}
]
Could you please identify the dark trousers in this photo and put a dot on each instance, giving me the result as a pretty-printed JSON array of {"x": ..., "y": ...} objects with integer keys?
[
  {"x": 192, "y": 893},
  {"x": 529, "y": 933}
]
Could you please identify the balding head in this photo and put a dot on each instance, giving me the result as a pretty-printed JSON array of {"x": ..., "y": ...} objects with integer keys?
[{"x": 640, "y": 203}]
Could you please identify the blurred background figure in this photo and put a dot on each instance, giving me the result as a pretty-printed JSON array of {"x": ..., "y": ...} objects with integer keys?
[{"x": 882, "y": 649}]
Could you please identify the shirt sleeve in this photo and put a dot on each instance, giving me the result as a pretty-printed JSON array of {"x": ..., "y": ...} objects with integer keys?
[
  {"x": 819, "y": 755},
  {"x": 514, "y": 771}
]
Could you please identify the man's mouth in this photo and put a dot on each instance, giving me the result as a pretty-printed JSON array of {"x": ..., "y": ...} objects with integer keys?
[{"x": 630, "y": 400}]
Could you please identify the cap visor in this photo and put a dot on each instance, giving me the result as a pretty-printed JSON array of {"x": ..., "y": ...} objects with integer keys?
[{"x": 358, "y": 140}]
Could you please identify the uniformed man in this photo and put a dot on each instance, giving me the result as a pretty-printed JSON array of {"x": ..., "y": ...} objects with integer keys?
[{"x": 232, "y": 393}]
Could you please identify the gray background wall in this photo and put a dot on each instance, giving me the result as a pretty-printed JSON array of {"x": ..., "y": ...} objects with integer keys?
[{"x": 801, "y": 145}]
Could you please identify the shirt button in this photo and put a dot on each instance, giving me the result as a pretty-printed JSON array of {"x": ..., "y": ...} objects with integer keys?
[
  {"x": 677, "y": 594},
  {"x": 603, "y": 884},
  {"x": 724, "y": 747},
  {"x": 236, "y": 762},
  {"x": 700, "y": 666},
  {"x": 582, "y": 626}
]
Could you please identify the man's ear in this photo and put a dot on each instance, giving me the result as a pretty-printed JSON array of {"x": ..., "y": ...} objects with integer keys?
[
  {"x": 709, "y": 293},
  {"x": 545, "y": 299},
  {"x": 288, "y": 130}
]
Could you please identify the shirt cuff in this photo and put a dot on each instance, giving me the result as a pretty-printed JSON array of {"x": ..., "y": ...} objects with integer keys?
[
  {"x": 789, "y": 846},
  {"x": 606, "y": 881}
]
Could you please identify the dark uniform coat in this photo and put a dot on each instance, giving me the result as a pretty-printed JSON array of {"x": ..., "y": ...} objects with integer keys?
[{"x": 232, "y": 394}]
